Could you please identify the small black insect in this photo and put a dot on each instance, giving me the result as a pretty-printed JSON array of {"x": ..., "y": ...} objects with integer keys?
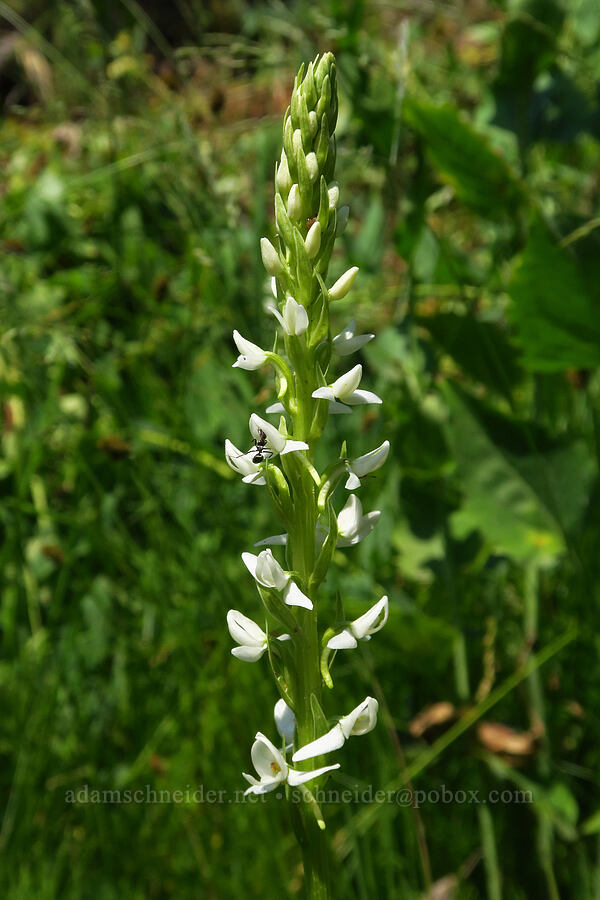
[{"x": 260, "y": 445}]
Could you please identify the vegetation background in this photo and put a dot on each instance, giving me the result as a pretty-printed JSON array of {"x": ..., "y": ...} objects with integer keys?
[{"x": 137, "y": 154}]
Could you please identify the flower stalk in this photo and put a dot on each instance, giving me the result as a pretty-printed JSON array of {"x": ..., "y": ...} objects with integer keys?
[{"x": 301, "y": 633}]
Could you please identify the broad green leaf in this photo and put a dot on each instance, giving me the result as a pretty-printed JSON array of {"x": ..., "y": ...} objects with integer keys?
[
  {"x": 464, "y": 158},
  {"x": 481, "y": 349},
  {"x": 521, "y": 490},
  {"x": 557, "y": 317}
]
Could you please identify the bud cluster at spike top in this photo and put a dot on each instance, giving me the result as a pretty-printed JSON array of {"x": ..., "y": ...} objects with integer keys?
[{"x": 306, "y": 213}]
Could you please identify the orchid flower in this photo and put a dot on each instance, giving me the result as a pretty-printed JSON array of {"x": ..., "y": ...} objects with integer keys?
[
  {"x": 273, "y": 770},
  {"x": 242, "y": 463},
  {"x": 361, "y": 720},
  {"x": 265, "y": 569},
  {"x": 344, "y": 389},
  {"x": 251, "y": 356},
  {"x": 276, "y": 441},
  {"x": 362, "y": 628},
  {"x": 293, "y": 318},
  {"x": 364, "y": 465},
  {"x": 251, "y": 638},
  {"x": 347, "y": 342},
  {"x": 352, "y": 525}
]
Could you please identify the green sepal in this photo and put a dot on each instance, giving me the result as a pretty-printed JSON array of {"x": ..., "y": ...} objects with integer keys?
[
  {"x": 304, "y": 272},
  {"x": 278, "y": 666},
  {"x": 324, "y": 663},
  {"x": 319, "y": 718},
  {"x": 325, "y": 98},
  {"x": 288, "y": 145},
  {"x": 310, "y": 801},
  {"x": 344, "y": 450},
  {"x": 323, "y": 214},
  {"x": 326, "y": 552},
  {"x": 284, "y": 225},
  {"x": 327, "y": 242},
  {"x": 322, "y": 145},
  {"x": 329, "y": 168},
  {"x": 304, "y": 183},
  {"x": 329, "y": 482},
  {"x": 295, "y": 102},
  {"x": 275, "y": 606},
  {"x": 321, "y": 72},
  {"x": 305, "y": 123},
  {"x": 319, "y": 330},
  {"x": 279, "y": 490},
  {"x": 309, "y": 89}
]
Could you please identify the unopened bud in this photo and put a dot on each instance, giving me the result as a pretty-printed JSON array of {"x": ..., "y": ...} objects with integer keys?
[
  {"x": 297, "y": 140},
  {"x": 270, "y": 257},
  {"x": 334, "y": 196},
  {"x": 313, "y": 240},
  {"x": 313, "y": 122},
  {"x": 312, "y": 165},
  {"x": 343, "y": 284},
  {"x": 294, "y": 203},
  {"x": 283, "y": 179}
]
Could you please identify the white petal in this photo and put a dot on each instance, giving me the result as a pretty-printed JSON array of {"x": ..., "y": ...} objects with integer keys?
[
  {"x": 343, "y": 284},
  {"x": 293, "y": 596},
  {"x": 295, "y": 317},
  {"x": 250, "y": 561},
  {"x": 346, "y": 384},
  {"x": 269, "y": 573},
  {"x": 267, "y": 759},
  {"x": 275, "y": 408},
  {"x": 293, "y": 446},
  {"x": 285, "y": 720},
  {"x": 323, "y": 393},
  {"x": 240, "y": 462},
  {"x": 352, "y": 483},
  {"x": 274, "y": 286},
  {"x": 257, "y": 478},
  {"x": 247, "y": 348},
  {"x": 274, "y": 311},
  {"x": 369, "y": 462},
  {"x": 371, "y": 621},
  {"x": 275, "y": 439},
  {"x": 351, "y": 344},
  {"x": 358, "y": 397},
  {"x": 276, "y": 540},
  {"x": 244, "y": 630},
  {"x": 295, "y": 778},
  {"x": 362, "y": 719},
  {"x": 345, "y": 640},
  {"x": 248, "y": 654},
  {"x": 349, "y": 517},
  {"x": 333, "y": 740},
  {"x": 263, "y": 787}
]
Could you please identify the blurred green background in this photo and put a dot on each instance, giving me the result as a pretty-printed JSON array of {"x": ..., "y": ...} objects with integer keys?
[{"x": 137, "y": 150}]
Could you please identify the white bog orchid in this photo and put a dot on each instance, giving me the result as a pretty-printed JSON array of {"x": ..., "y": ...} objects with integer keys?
[
  {"x": 273, "y": 770},
  {"x": 352, "y": 525},
  {"x": 251, "y": 355},
  {"x": 285, "y": 721},
  {"x": 361, "y": 720},
  {"x": 347, "y": 342},
  {"x": 293, "y": 318},
  {"x": 364, "y": 465},
  {"x": 265, "y": 569},
  {"x": 242, "y": 463},
  {"x": 362, "y": 628},
  {"x": 251, "y": 638},
  {"x": 344, "y": 389},
  {"x": 276, "y": 441}
]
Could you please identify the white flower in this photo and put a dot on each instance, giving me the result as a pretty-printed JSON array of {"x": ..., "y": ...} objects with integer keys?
[
  {"x": 294, "y": 320},
  {"x": 242, "y": 463},
  {"x": 352, "y": 525},
  {"x": 362, "y": 628},
  {"x": 251, "y": 638},
  {"x": 361, "y": 720},
  {"x": 345, "y": 390},
  {"x": 364, "y": 465},
  {"x": 343, "y": 284},
  {"x": 251, "y": 356},
  {"x": 273, "y": 770},
  {"x": 270, "y": 257},
  {"x": 265, "y": 569},
  {"x": 285, "y": 721},
  {"x": 276, "y": 442},
  {"x": 347, "y": 342}
]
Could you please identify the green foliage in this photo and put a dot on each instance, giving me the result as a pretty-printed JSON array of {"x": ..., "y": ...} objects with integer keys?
[{"x": 138, "y": 151}]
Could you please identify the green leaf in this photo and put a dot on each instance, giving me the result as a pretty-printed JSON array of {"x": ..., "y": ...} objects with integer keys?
[
  {"x": 481, "y": 349},
  {"x": 522, "y": 490},
  {"x": 557, "y": 318},
  {"x": 465, "y": 159}
]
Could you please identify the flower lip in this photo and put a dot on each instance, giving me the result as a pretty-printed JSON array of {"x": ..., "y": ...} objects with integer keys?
[{"x": 362, "y": 628}]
